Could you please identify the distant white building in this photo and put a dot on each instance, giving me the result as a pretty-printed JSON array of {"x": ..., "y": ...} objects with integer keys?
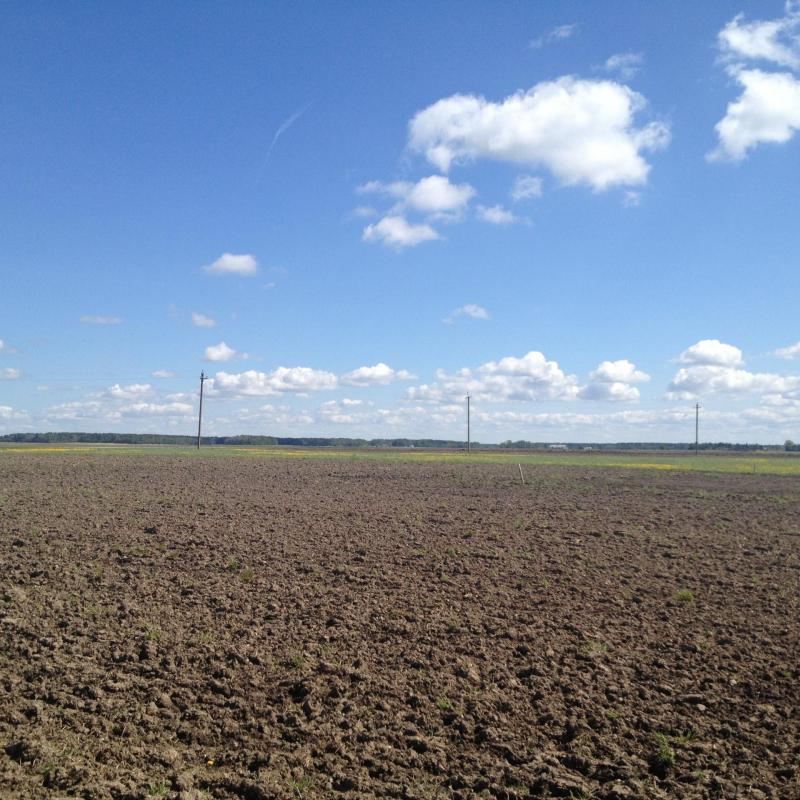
[{"x": 556, "y": 447}]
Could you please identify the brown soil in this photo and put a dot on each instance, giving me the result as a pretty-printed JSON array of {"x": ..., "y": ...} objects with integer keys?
[{"x": 242, "y": 628}]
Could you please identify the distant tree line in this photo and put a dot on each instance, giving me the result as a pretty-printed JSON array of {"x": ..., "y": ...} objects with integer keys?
[
  {"x": 525, "y": 445},
  {"x": 288, "y": 441},
  {"x": 321, "y": 441}
]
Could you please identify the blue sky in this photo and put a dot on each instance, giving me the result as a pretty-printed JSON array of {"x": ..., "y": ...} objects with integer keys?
[{"x": 351, "y": 215}]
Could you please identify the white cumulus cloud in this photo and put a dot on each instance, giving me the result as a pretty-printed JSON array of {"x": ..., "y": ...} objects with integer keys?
[
  {"x": 767, "y": 111},
  {"x": 431, "y": 195},
  {"x": 696, "y": 381},
  {"x": 380, "y": 374},
  {"x": 613, "y": 381},
  {"x": 395, "y": 231},
  {"x": 202, "y": 321},
  {"x": 131, "y": 392},
  {"x": 219, "y": 352},
  {"x": 583, "y": 131},
  {"x": 252, "y": 383},
  {"x": 162, "y": 373},
  {"x": 775, "y": 40},
  {"x": 231, "y": 264},
  {"x": 10, "y": 374},
  {"x": 611, "y": 391},
  {"x": 621, "y": 371},
  {"x": 531, "y": 377},
  {"x": 718, "y": 368},
  {"x": 712, "y": 351}
]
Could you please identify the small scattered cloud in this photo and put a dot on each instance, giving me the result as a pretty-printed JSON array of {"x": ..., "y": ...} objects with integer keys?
[
  {"x": 496, "y": 215},
  {"x": 220, "y": 352},
  {"x": 252, "y": 383},
  {"x": 775, "y": 40},
  {"x": 557, "y": 34},
  {"x": 397, "y": 232},
  {"x": 434, "y": 195},
  {"x": 230, "y": 264},
  {"x": 622, "y": 371},
  {"x": 162, "y": 373},
  {"x": 100, "y": 319},
  {"x": 469, "y": 310},
  {"x": 132, "y": 392},
  {"x": 767, "y": 111},
  {"x": 613, "y": 381},
  {"x": 526, "y": 187},
  {"x": 583, "y": 131},
  {"x": 626, "y": 65},
  {"x": 378, "y": 375},
  {"x": 202, "y": 321},
  {"x": 713, "y": 352},
  {"x": 792, "y": 351},
  {"x": 612, "y": 392},
  {"x": 6, "y": 348},
  {"x": 10, "y": 374}
]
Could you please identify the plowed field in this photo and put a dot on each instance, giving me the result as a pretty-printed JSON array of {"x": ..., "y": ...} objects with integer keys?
[{"x": 241, "y": 628}]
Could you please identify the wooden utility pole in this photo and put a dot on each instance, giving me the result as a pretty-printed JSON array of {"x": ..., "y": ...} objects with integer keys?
[
  {"x": 697, "y": 429},
  {"x": 200, "y": 415},
  {"x": 468, "y": 440}
]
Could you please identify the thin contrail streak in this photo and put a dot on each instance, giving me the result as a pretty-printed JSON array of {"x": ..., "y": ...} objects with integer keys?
[{"x": 284, "y": 126}]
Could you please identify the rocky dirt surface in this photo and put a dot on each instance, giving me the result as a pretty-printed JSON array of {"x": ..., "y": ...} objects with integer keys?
[{"x": 262, "y": 628}]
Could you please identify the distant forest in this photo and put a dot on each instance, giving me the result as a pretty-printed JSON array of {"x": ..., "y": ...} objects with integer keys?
[{"x": 305, "y": 441}]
